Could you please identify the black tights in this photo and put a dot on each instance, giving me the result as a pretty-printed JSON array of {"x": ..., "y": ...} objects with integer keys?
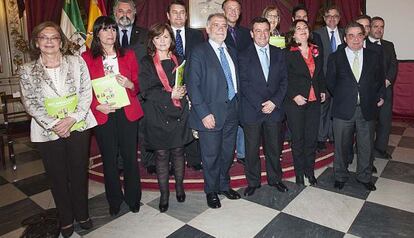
[{"x": 162, "y": 165}]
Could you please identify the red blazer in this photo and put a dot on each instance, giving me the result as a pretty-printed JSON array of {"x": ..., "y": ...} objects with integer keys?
[{"x": 128, "y": 67}]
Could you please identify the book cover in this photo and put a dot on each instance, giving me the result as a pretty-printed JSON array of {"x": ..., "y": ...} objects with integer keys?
[
  {"x": 108, "y": 90},
  {"x": 278, "y": 41},
  {"x": 61, "y": 107},
  {"x": 179, "y": 75}
]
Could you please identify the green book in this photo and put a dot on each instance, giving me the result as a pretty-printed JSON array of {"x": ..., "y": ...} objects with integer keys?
[
  {"x": 61, "y": 107},
  {"x": 278, "y": 41},
  {"x": 108, "y": 90},
  {"x": 179, "y": 75}
]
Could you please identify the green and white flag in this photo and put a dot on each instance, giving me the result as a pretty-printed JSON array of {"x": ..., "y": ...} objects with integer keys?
[{"x": 72, "y": 24}]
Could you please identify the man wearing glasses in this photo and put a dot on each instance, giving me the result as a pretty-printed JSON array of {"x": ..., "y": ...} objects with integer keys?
[{"x": 330, "y": 38}]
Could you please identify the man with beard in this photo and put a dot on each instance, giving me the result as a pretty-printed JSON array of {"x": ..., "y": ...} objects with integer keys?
[{"x": 135, "y": 38}]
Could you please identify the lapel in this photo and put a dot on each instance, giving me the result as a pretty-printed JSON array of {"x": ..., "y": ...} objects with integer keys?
[
  {"x": 211, "y": 54},
  {"x": 134, "y": 36},
  {"x": 42, "y": 75},
  {"x": 325, "y": 38},
  {"x": 365, "y": 64},
  {"x": 348, "y": 67},
  {"x": 302, "y": 63},
  {"x": 232, "y": 53}
]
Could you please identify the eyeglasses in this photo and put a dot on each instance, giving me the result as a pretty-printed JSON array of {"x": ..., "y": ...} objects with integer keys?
[
  {"x": 332, "y": 16},
  {"x": 46, "y": 39},
  {"x": 273, "y": 16}
]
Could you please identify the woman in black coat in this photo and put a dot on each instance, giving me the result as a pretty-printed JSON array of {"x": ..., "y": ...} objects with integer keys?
[
  {"x": 306, "y": 91},
  {"x": 165, "y": 109}
]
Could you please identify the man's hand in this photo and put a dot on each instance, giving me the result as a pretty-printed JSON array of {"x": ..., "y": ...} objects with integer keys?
[
  {"x": 268, "y": 107},
  {"x": 209, "y": 122},
  {"x": 300, "y": 100},
  {"x": 387, "y": 83},
  {"x": 380, "y": 102}
]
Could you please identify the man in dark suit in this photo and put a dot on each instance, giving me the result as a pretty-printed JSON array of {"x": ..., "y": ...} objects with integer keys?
[
  {"x": 185, "y": 39},
  {"x": 212, "y": 83},
  {"x": 383, "y": 128},
  {"x": 355, "y": 78},
  {"x": 239, "y": 38},
  {"x": 133, "y": 37},
  {"x": 263, "y": 81},
  {"x": 328, "y": 38}
]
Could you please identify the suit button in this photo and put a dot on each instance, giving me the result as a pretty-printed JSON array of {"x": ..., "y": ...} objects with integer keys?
[
  {"x": 178, "y": 119},
  {"x": 166, "y": 122},
  {"x": 165, "y": 106}
]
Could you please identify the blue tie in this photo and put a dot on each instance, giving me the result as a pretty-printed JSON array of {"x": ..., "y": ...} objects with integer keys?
[
  {"x": 264, "y": 61},
  {"x": 179, "y": 44},
  {"x": 227, "y": 72},
  {"x": 333, "y": 41}
]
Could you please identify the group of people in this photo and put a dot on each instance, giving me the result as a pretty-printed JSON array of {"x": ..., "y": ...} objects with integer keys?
[{"x": 238, "y": 87}]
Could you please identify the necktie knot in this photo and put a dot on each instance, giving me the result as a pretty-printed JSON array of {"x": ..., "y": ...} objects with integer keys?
[
  {"x": 124, "y": 31},
  {"x": 178, "y": 31}
]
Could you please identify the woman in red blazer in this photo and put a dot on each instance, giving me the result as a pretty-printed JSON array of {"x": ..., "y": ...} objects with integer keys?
[{"x": 117, "y": 127}]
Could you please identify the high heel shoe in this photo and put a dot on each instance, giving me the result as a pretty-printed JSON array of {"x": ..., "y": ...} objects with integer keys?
[
  {"x": 312, "y": 180},
  {"x": 163, "y": 207},
  {"x": 300, "y": 181},
  {"x": 180, "y": 197}
]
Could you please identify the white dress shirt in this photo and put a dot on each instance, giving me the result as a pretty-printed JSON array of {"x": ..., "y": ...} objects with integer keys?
[{"x": 336, "y": 34}]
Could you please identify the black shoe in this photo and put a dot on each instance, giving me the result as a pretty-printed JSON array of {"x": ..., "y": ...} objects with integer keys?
[
  {"x": 321, "y": 146},
  {"x": 135, "y": 208},
  {"x": 249, "y": 191},
  {"x": 86, "y": 225},
  {"x": 230, "y": 194},
  {"x": 369, "y": 185},
  {"x": 196, "y": 167},
  {"x": 280, "y": 187},
  {"x": 300, "y": 181},
  {"x": 241, "y": 161},
  {"x": 312, "y": 180},
  {"x": 339, "y": 185},
  {"x": 114, "y": 210},
  {"x": 180, "y": 198},
  {"x": 67, "y": 232},
  {"x": 382, "y": 154},
  {"x": 374, "y": 169},
  {"x": 163, "y": 207},
  {"x": 213, "y": 200},
  {"x": 151, "y": 169}
]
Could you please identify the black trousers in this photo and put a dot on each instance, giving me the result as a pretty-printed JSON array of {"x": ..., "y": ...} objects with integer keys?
[
  {"x": 344, "y": 135},
  {"x": 118, "y": 134},
  {"x": 383, "y": 128},
  {"x": 325, "y": 120},
  {"x": 66, "y": 163},
  {"x": 304, "y": 125},
  {"x": 253, "y": 134}
]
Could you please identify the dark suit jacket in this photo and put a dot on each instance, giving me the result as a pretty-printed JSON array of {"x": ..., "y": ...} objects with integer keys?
[
  {"x": 206, "y": 85},
  {"x": 138, "y": 42},
  {"x": 255, "y": 90},
  {"x": 244, "y": 39},
  {"x": 344, "y": 87},
  {"x": 390, "y": 61},
  {"x": 193, "y": 37},
  {"x": 299, "y": 78},
  {"x": 325, "y": 43}
]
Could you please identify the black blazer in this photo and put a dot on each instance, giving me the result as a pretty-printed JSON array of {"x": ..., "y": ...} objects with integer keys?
[
  {"x": 325, "y": 43},
  {"x": 299, "y": 78},
  {"x": 193, "y": 37},
  {"x": 255, "y": 90},
  {"x": 206, "y": 85},
  {"x": 390, "y": 61},
  {"x": 344, "y": 87},
  {"x": 244, "y": 39},
  {"x": 138, "y": 42}
]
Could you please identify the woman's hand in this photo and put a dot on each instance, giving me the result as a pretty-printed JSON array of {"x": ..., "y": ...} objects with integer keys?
[
  {"x": 106, "y": 108},
  {"x": 300, "y": 100},
  {"x": 124, "y": 81},
  {"x": 323, "y": 97},
  {"x": 62, "y": 128},
  {"x": 178, "y": 92}
]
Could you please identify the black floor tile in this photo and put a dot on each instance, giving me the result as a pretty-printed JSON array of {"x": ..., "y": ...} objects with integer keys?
[
  {"x": 375, "y": 220},
  {"x": 3, "y": 181},
  {"x": 285, "y": 225},
  {"x": 33, "y": 185},
  {"x": 352, "y": 188},
  {"x": 27, "y": 156},
  {"x": 189, "y": 231},
  {"x": 99, "y": 213},
  {"x": 12, "y": 215},
  {"x": 270, "y": 197},
  {"x": 407, "y": 142},
  {"x": 400, "y": 171},
  {"x": 397, "y": 130}
]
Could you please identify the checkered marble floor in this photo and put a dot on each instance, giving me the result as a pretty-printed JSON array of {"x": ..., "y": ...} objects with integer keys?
[{"x": 320, "y": 211}]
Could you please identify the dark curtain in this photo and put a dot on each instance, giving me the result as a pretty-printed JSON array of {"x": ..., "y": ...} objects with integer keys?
[
  {"x": 313, "y": 7},
  {"x": 350, "y": 9},
  {"x": 38, "y": 11}
]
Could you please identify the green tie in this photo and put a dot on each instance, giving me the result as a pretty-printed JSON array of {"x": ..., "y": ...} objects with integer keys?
[{"x": 355, "y": 66}]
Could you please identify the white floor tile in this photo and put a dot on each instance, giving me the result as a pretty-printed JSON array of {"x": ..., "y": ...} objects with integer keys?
[
  {"x": 95, "y": 188},
  {"x": 326, "y": 208},
  {"x": 236, "y": 218},
  {"x": 403, "y": 155},
  {"x": 44, "y": 199},
  {"x": 394, "y": 194},
  {"x": 148, "y": 222}
]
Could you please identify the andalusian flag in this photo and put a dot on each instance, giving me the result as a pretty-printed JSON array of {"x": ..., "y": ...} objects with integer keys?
[
  {"x": 72, "y": 24},
  {"x": 96, "y": 9}
]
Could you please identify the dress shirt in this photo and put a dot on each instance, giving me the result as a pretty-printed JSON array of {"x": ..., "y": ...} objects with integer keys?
[
  {"x": 121, "y": 34},
  {"x": 351, "y": 56},
  {"x": 373, "y": 40},
  {"x": 231, "y": 63},
  {"x": 337, "y": 36}
]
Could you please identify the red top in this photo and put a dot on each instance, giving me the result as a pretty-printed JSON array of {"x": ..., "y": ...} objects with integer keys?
[
  {"x": 128, "y": 67},
  {"x": 311, "y": 66}
]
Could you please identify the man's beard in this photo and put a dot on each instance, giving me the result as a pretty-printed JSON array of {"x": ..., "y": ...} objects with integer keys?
[{"x": 125, "y": 21}]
